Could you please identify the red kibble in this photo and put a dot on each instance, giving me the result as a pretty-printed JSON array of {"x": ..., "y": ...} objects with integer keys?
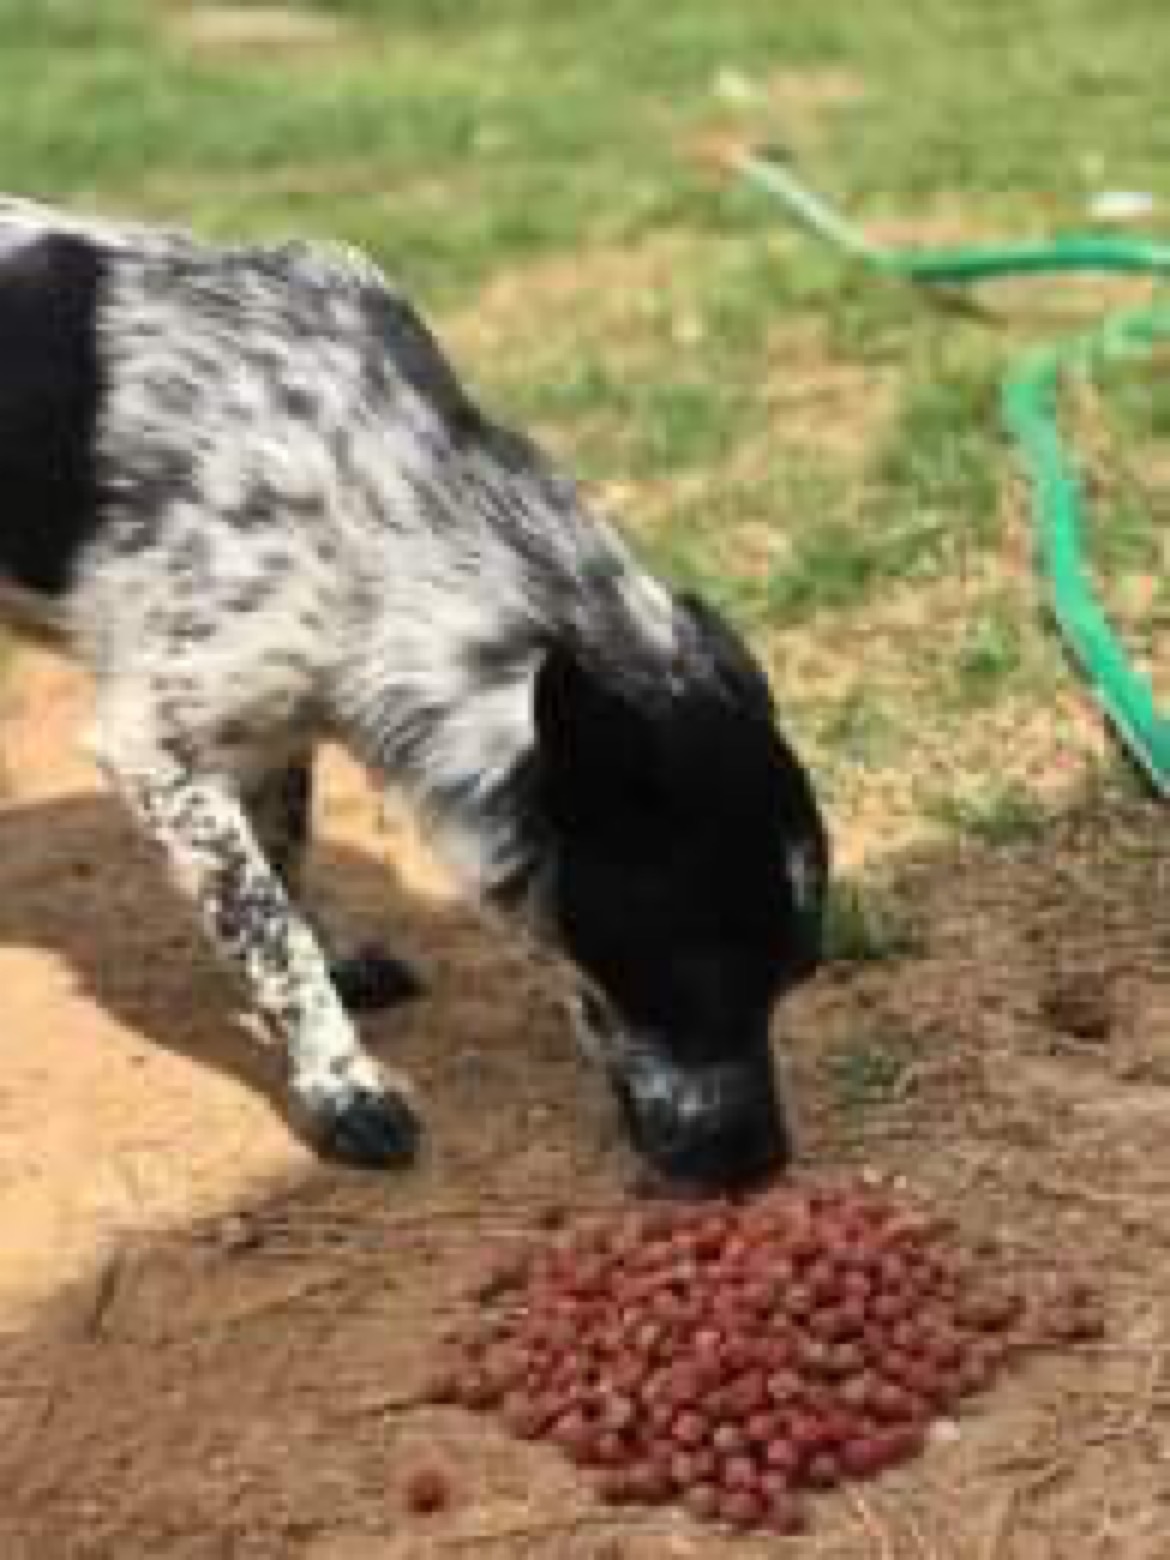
[
  {"x": 616, "y": 1487},
  {"x": 782, "y": 1456},
  {"x": 702, "y": 1501},
  {"x": 570, "y": 1430},
  {"x": 740, "y": 1508},
  {"x": 617, "y": 1413},
  {"x": 890, "y": 1401},
  {"x": 611, "y": 1449},
  {"x": 525, "y": 1418},
  {"x": 804, "y": 1247},
  {"x": 841, "y": 1361},
  {"x": 427, "y": 1491},
  {"x": 813, "y": 1432},
  {"x": 728, "y": 1438},
  {"x": 902, "y": 1443},
  {"x": 823, "y": 1281},
  {"x": 813, "y": 1354},
  {"x": 799, "y": 1301},
  {"x": 652, "y": 1485},
  {"x": 784, "y": 1514},
  {"x": 889, "y": 1306},
  {"x": 747, "y": 1395},
  {"x": 683, "y": 1469},
  {"x": 822, "y": 1471},
  {"x": 856, "y": 1392},
  {"x": 690, "y": 1429},
  {"x": 738, "y": 1473},
  {"x": 723, "y": 1354},
  {"x": 862, "y": 1457},
  {"x": 784, "y": 1386}
]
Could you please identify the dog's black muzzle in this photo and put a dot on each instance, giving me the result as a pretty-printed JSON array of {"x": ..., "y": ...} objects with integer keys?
[{"x": 711, "y": 1128}]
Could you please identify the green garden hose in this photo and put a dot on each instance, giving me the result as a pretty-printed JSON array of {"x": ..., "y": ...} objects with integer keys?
[{"x": 1029, "y": 408}]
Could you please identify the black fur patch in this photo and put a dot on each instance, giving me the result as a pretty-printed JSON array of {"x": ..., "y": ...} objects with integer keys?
[
  {"x": 414, "y": 354},
  {"x": 50, "y": 390},
  {"x": 676, "y": 829}
]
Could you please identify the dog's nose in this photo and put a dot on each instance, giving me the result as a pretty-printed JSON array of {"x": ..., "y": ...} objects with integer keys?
[
  {"x": 731, "y": 1155},
  {"x": 713, "y": 1140}
]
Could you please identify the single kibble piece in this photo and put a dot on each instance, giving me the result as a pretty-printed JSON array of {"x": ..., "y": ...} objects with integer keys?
[{"x": 428, "y": 1490}]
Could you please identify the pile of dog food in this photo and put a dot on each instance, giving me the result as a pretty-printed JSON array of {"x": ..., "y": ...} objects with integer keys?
[{"x": 732, "y": 1356}]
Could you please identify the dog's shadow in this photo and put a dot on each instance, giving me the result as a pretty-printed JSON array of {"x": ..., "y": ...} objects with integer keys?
[{"x": 78, "y": 882}]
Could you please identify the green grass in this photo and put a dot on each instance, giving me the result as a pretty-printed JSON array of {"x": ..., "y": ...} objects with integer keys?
[
  {"x": 991, "y": 660},
  {"x": 478, "y": 147},
  {"x": 837, "y": 566},
  {"x": 998, "y": 814},
  {"x": 944, "y": 458},
  {"x": 860, "y": 728},
  {"x": 864, "y": 928},
  {"x": 867, "y": 1072}
]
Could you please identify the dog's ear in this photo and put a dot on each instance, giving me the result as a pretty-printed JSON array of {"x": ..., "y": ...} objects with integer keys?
[
  {"x": 598, "y": 750},
  {"x": 734, "y": 662}
]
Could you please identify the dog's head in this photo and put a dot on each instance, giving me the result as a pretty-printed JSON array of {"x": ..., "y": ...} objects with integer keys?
[{"x": 686, "y": 883}]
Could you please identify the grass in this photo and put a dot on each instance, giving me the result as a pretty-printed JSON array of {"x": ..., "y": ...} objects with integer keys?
[
  {"x": 819, "y": 450},
  {"x": 991, "y": 658},
  {"x": 861, "y": 728},
  {"x": 1002, "y": 814},
  {"x": 867, "y": 1073},
  {"x": 864, "y": 929}
]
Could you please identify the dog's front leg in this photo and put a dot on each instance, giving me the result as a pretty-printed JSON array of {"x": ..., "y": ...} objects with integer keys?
[
  {"x": 352, "y": 1110},
  {"x": 279, "y": 807}
]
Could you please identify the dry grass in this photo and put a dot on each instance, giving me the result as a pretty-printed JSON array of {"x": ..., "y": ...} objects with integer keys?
[{"x": 234, "y": 31}]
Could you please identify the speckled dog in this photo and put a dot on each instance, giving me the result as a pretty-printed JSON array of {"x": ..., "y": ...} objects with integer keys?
[{"x": 247, "y": 489}]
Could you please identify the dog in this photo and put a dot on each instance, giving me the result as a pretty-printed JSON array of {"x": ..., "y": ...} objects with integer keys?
[{"x": 246, "y": 488}]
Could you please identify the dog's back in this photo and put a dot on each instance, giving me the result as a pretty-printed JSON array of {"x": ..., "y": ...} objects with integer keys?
[{"x": 229, "y": 467}]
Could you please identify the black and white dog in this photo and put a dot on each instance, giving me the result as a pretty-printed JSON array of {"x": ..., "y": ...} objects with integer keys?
[{"x": 246, "y": 488}]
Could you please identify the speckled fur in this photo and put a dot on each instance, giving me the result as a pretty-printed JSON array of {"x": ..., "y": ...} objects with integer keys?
[{"x": 306, "y": 529}]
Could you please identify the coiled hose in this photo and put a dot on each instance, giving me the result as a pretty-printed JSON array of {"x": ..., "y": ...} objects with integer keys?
[{"x": 1030, "y": 397}]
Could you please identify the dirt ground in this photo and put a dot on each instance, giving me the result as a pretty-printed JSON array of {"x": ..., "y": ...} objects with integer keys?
[{"x": 209, "y": 1343}]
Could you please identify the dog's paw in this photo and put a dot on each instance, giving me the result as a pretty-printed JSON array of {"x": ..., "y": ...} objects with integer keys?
[
  {"x": 370, "y": 981},
  {"x": 377, "y": 1131},
  {"x": 359, "y": 1119}
]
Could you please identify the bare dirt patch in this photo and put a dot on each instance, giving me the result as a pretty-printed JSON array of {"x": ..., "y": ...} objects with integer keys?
[
  {"x": 824, "y": 403},
  {"x": 1050, "y": 743},
  {"x": 605, "y": 289},
  {"x": 222, "y": 1359},
  {"x": 814, "y": 92}
]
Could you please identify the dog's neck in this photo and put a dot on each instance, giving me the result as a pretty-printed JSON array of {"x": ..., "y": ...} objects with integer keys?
[{"x": 504, "y": 561}]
